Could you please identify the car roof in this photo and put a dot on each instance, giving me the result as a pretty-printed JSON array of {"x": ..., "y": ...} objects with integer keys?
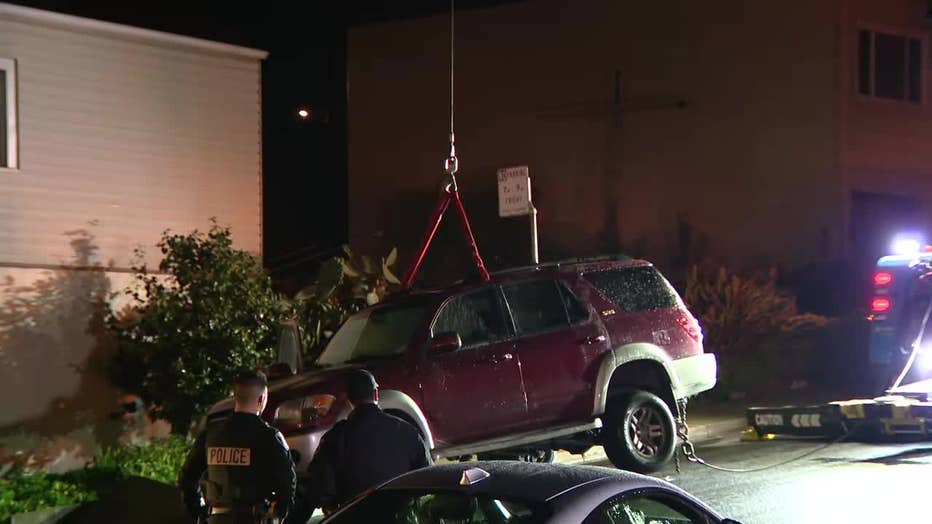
[
  {"x": 572, "y": 265},
  {"x": 589, "y": 263},
  {"x": 518, "y": 480}
]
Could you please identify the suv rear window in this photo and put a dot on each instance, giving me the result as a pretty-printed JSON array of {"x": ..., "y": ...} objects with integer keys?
[{"x": 635, "y": 289}]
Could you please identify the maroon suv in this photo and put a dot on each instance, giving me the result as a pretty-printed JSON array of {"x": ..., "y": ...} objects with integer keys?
[{"x": 556, "y": 356}]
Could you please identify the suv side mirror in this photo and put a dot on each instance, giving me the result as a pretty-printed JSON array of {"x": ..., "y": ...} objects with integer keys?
[
  {"x": 445, "y": 342},
  {"x": 279, "y": 370}
]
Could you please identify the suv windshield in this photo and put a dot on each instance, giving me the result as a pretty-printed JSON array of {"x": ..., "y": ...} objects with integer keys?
[{"x": 375, "y": 333}]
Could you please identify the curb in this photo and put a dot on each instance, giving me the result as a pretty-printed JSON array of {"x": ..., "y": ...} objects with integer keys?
[
  {"x": 703, "y": 433},
  {"x": 700, "y": 434}
]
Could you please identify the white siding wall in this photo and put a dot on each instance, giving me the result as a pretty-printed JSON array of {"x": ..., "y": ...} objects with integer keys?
[
  {"x": 53, "y": 348},
  {"x": 134, "y": 136},
  {"x": 123, "y": 134}
]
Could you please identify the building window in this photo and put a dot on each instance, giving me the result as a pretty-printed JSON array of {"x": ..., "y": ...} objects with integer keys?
[
  {"x": 8, "y": 144},
  {"x": 889, "y": 66}
]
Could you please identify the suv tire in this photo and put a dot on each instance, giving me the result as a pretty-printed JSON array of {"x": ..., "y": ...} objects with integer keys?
[{"x": 639, "y": 432}]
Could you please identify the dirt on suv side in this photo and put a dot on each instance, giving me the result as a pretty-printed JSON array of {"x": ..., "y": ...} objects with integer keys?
[{"x": 556, "y": 356}]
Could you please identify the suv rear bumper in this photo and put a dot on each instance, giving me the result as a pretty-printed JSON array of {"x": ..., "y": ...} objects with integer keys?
[{"x": 695, "y": 374}]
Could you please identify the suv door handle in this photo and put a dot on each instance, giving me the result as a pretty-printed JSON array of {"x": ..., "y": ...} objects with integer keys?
[
  {"x": 593, "y": 339},
  {"x": 498, "y": 359}
]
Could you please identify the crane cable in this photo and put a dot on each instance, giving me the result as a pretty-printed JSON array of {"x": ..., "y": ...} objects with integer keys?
[{"x": 451, "y": 164}]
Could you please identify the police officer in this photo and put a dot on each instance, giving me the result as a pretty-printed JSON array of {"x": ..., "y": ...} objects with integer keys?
[
  {"x": 365, "y": 450},
  {"x": 250, "y": 475}
]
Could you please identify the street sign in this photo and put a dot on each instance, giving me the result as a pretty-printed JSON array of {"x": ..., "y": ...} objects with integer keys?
[
  {"x": 806, "y": 420},
  {"x": 514, "y": 192}
]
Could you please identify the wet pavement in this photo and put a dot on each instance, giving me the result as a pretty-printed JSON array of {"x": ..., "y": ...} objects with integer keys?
[{"x": 844, "y": 483}]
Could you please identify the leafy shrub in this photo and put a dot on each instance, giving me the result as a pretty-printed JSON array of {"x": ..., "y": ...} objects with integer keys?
[
  {"x": 755, "y": 328},
  {"x": 160, "y": 460},
  {"x": 22, "y": 490},
  {"x": 187, "y": 334}
]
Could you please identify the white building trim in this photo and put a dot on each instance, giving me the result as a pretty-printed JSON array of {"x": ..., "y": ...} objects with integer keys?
[
  {"x": 8, "y": 66},
  {"x": 78, "y": 23}
]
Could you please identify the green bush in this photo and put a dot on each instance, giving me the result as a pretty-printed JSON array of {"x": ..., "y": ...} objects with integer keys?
[
  {"x": 207, "y": 313},
  {"x": 22, "y": 491},
  {"x": 756, "y": 330},
  {"x": 161, "y": 460}
]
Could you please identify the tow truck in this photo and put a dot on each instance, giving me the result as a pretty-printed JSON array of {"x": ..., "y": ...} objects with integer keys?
[{"x": 900, "y": 349}]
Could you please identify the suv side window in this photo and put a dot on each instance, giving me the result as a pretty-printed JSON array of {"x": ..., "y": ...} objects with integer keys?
[
  {"x": 574, "y": 308},
  {"x": 477, "y": 317},
  {"x": 635, "y": 288},
  {"x": 536, "y": 306},
  {"x": 644, "y": 510}
]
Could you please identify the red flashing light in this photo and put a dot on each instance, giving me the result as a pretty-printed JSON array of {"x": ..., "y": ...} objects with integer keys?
[
  {"x": 882, "y": 278},
  {"x": 880, "y": 305}
]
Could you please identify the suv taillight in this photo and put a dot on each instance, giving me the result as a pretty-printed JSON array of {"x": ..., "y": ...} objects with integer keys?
[
  {"x": 882, "y": 278},
  {"x": 691, "y": 326},
  {"x": 881, "y": 305},
  {"x": 301, "y": 412}
]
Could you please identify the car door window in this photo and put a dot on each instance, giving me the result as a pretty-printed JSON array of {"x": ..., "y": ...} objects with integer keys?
[
  {"x": 645, "y": 510},
  {"x": 536, "y": 306},
  {"x": 476, "y": 317},
  {"x": 574, "y": 309}
]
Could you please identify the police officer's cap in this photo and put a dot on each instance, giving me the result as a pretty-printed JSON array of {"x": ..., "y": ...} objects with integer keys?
[
  {"x": 251, "y": 377},
  {"x": 360, "y": 384}
]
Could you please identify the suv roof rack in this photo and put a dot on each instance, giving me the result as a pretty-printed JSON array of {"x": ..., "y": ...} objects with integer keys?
[{"x": 566, "y": 262}]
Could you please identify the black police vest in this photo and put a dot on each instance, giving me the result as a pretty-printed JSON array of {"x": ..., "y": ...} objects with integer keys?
[{"x": 235, "y": 458}]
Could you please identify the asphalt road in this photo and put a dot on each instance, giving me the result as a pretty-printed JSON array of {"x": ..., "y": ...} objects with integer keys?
[{"x": 845, "y": 483}]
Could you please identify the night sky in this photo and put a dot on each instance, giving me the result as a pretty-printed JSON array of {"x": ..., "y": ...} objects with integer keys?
[{"x": 305, "y": 162}]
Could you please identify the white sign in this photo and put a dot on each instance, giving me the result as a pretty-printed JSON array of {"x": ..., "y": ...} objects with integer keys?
[
  {"x": 514, "y": 191},
  {"x": 768, "y": 419},
  {"x": 811, "y": 420}
]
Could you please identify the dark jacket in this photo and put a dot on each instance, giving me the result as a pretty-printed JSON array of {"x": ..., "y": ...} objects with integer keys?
[
  {"x": 361, "y": 452},
  {"x": 246, "y": 460}
]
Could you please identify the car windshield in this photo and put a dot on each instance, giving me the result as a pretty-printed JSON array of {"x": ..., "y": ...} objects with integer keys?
[
  {"x": 375, "y": 333},
  {"x": 420, "y": 507}
]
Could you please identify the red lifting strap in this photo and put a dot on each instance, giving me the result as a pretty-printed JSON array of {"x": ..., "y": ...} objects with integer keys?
[{"x": 449, "y": 193}]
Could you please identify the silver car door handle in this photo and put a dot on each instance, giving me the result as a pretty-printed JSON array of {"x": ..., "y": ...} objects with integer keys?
[{"x": 498, "y": 359}]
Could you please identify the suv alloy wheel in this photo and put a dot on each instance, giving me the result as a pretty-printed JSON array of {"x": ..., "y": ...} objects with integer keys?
[{"x": 639, "y": 432}]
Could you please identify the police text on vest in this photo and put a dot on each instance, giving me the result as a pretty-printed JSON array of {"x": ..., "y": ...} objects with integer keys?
[{"x": 228, "y": 456}]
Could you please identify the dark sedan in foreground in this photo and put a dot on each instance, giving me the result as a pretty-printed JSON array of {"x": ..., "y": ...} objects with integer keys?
[{"x": 527, "y": 493}]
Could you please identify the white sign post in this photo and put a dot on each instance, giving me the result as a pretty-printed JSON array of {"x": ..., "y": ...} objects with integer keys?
[{"x": 514, "y": 199}]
